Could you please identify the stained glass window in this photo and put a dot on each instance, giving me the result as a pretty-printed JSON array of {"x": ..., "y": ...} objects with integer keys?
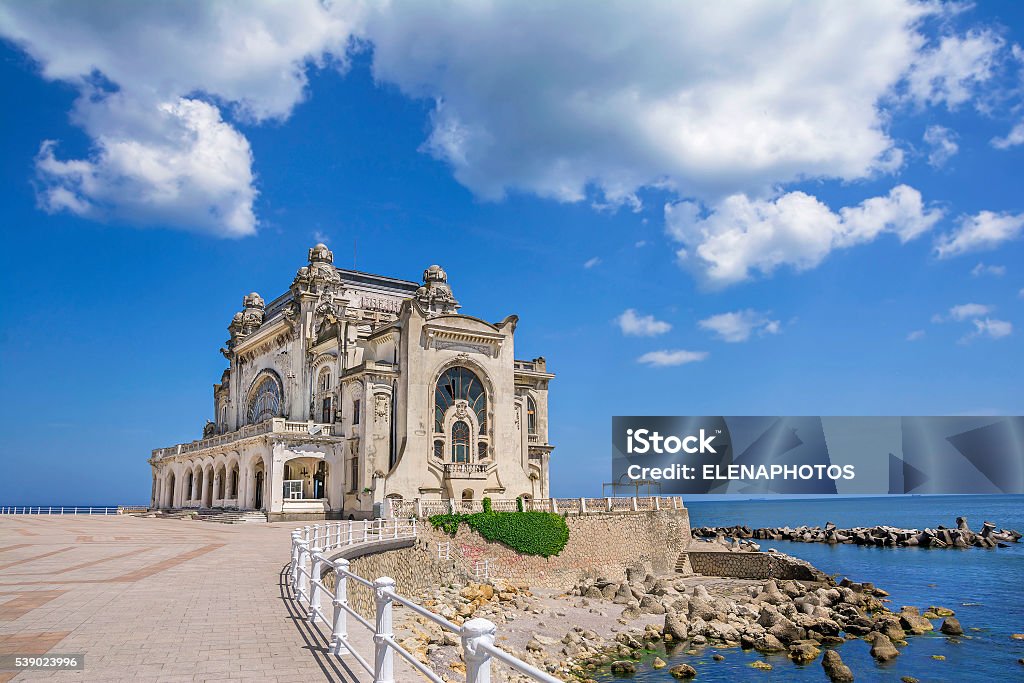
[
  {"x": 531, "y": 415},
  {"x": 265, "y": 401},
  {"x": 460, "y": 442},
  {"x": 459, "y": 384}
]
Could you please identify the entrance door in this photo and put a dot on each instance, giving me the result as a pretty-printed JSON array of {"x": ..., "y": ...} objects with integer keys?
[{"x": 259, "y": 491}]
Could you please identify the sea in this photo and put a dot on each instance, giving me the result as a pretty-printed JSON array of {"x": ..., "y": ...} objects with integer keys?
[{"x": 984, "y": 587}]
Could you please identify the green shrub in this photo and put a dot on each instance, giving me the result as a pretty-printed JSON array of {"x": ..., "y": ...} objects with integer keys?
[
  {"x": 519, "y": 505},
  {"x": 531, "y": 533},
  {"x": 487, "y": 504}
]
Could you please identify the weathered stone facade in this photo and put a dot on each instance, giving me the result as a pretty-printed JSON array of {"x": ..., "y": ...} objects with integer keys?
[{"x": 351, "y": 389}]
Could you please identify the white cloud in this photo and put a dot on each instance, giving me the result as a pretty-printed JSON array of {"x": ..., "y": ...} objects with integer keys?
[
  {"x": 984, "y": 230},
  {"x": 982, "y": 269},
  {"x": 591, "y": 262},
  {"x": 943, "y": 144},
  {"x": 963, "y": 312},
  {"x": 1012, "y": 139},
  {"x": 636, "y": 325},
  {"x": 180, "y": 165},
  {"x": 989, "y": 327},
  {"x": 152, "y": 79},
  {"x": 739, "y": 325},
  {"x": 640, "y": 243},
  {"x": 740, "y": 235},
  {"x": 668, "y": 358},
  {"x": 915, "y": 335},
  {"x": 950, "y": 72},
  {"x": 693, "y": 98}
]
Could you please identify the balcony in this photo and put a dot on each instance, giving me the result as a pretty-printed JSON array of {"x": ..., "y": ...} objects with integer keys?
[
  {"x": 465, "y": 470},
  {"x": 276, "y": 425}
]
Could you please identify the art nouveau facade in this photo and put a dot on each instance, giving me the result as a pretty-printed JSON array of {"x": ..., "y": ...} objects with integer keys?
[{"x": 353, "y": 388}]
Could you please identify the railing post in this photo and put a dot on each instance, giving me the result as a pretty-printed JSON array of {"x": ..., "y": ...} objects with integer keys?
[
  {"x": 303, "y": 588},
  {"x": 554, "y": 506},
  {"x": 316, "y": 535},
  {"x": 657, "y": 503},
  {"x": 306, "y": 536},
  {"x": 350, "y": 532},
  {"x": 419, "y": 507},
  {"x": 339, "y": 634},
  {"x": 314, "y": 581},
  {"x": 366, "y": 531},
  {"x": 296, "y": 536},
  {"x": 383, "y": 655},
  {"x": 476, "y": 632},
  {"x": 583, "y": 506},
  {"x": 633, "y": 503}
]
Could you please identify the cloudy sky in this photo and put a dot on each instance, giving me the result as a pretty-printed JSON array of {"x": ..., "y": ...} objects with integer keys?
[{"x": 784, "y": 207}]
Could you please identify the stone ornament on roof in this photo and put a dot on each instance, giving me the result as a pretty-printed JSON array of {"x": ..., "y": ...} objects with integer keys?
[
  {"x": 320, "y": 274},
  {"x": 248, "y": 320},
  {"x": 435, "y": 295}
]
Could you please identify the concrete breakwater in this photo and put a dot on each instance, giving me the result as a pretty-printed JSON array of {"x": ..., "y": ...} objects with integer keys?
[{"x": 940, "y": 537}]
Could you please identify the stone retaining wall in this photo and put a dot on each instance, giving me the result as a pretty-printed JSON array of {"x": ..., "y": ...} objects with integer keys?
[
  {"x": 751, "y": 565},
  {"x": 415, "y": 569},
  {"x": 599, "y": 545}
]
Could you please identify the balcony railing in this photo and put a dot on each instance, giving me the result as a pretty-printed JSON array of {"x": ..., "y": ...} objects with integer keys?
[
  {"x": 276, "y": 425},
  {"x": 465, "y": 470}
]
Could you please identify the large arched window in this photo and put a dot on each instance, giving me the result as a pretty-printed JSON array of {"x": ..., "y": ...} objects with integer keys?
[
  {"x": 460, "y": 442},
  {"x": 459, "y": 384},
  {"x": 265, "y": 399}
]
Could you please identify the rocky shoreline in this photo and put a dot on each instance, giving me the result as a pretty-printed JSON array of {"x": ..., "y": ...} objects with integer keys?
[
  {"x": 883, "y": 536},
  {"x": 613, "y": 626}
]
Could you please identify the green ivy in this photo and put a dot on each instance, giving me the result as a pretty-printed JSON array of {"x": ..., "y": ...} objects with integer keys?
[{"x": 531, "y": 533}]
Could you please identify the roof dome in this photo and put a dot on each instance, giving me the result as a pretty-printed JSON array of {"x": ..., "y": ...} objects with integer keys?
[{"x": 435, "y": 273}]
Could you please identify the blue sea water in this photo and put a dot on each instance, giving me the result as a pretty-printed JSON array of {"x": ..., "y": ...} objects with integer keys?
[{"x": 983, "y": 587}]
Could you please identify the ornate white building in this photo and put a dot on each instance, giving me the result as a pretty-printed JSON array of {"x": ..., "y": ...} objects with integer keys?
[{"x": 353, "y": 388}]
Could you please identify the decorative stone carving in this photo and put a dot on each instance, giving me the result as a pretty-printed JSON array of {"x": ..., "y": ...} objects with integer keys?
[
  {"x": 246, "y": 321},
  {"x": 209, "y": 429},
  {"x": 320, "y": 274},
  {"x": 462, "y": 409},
  {"x": 381, "y": 407},
  {"x": 436, "y": 295}
]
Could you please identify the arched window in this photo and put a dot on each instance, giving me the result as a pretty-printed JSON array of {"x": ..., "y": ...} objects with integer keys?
[
  {"x": 265, "y": 399},
  {"x": 531, "y": 415},
  {"x": 460, "y": 441},
  {"x": 439, "y": 449},
  {"x": 325, "y": 380},
  {"x": 459, "y": 384}
]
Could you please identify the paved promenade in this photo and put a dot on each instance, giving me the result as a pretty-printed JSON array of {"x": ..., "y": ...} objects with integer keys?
[{"x": 156, "y": 600}]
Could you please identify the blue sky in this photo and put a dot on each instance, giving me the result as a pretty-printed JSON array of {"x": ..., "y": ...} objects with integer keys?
[{"x": 557, "y": 165}]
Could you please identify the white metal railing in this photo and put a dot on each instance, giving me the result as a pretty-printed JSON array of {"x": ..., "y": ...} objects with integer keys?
[
  {"x": 70, "y": 510},
  {"x": 309, "y": 561},
  {"x": 444, "y": 550},
  {"x": 576, "y": 506}
]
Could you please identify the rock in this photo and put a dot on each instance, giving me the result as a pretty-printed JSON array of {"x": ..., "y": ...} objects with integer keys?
[
  {"x": 650, "y": 604},
  {"x": 718, "y": 657},
  {"x": 941, "y": 611},
  {"x": 623, "y": 667},
  {"x": 769, "y": 643},
  {"x": 763, "y": 666},
  {"x": 882, "y": 648},
  {"x": 676, "y": 625},
  {"x": 909, "y": 679},
  {"x": 951, "y": 627},
  {"x": 658, "y": 663},
  {"x": 835, "y": 669},
  {"x": 803, "y": 653},
  {"x": 940, "y": 658},
  {"x": 683, "y": 672},
  {"x": 911, "y": 621},
  {"x": 1018, "y": 636}
]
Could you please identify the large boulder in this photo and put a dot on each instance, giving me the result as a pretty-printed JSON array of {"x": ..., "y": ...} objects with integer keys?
[
  {"x": 911, "y": 621},
  {"x": 676, "y": 625},
  {"x": 882, "y": 648},
  {"x": 683, "y": 672},
  {"x": 803, "y": 652},
  {"x": 951, "y": 627},
  {"x": 768, "y": 643},
  {"x": 835, "y": 669}
]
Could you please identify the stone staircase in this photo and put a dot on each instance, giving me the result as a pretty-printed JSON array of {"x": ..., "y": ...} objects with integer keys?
[{"x": 224, "y": 516}]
